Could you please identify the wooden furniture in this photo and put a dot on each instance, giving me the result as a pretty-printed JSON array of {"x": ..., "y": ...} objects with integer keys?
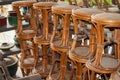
[
  {"x": 104, "y": 63},
  {"x": 26, "y": 35},
  {"x": 81, "y": 51},
  {"x": 42, "y": 38},
  {"x": 61, "y": 37},
  {"x": 4, "y": 74}
]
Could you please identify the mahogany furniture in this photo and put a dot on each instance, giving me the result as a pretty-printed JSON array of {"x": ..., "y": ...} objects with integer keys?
[
  {"x": 42, "y": 38},
  {"x": 26, "y": 35},
  {"x": 103, "y": 63},
  {"x": 61, "y": 39},
  {"x": 81, "y": 50}
]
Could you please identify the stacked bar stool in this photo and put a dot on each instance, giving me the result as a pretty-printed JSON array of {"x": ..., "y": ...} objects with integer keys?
[
  {"x": 81, "y": 50},
  {"x": 104, "y": 64},
  {"x": 26, "y": 35},
  {"x": 43, "y": 38},
  {"x": 61, "y": 38}
]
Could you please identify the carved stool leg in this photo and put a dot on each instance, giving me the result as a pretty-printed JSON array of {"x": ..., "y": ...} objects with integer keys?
[
  {"x": 79, "y": 71},
  {"x": 63, "y": 62}
]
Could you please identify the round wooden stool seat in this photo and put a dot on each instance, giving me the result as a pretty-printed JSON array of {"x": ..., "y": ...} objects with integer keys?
[
  {"x": 23, "y": 3},
  {"x": 103, "y": 62},
  {"x": 108, "y": 65},
  {"x": 85, "y": 13},
  {"x": 41, "y": 40},
  {"x": 44, "y": 5},
  {"x": 112, "y": 18},
  {"x": 57, "y": 46},
  {"x": 27, "y": 34},
  {"x": 27, "y": 62},
  {"x": 78, "y": 52},
  {"x": 64, "y": 9}
]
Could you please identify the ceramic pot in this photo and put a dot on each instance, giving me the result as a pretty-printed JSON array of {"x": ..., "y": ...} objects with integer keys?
[
  {"x": 13, "y": 20},
  {"x": 3, "y": 21},
  {"x": 6, "y": 46},
  {"x": 12, "y": 64},
  {"x": 16, "y": 41}
]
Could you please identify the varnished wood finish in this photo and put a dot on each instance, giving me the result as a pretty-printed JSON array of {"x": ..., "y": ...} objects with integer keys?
[
  {"x": 25, "y": 35},
  {"x": 43, "y": 38},
  {"x": 102, "y": 62},
  {"x": 60, "y": 40},
  {"x": 81, "y": 53}
]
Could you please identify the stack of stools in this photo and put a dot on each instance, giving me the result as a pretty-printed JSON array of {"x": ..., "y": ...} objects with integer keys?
[
  {"x": 26, "y": 35},
  {"x": 61, "y": 38},
  {"x": 81, "y": 49},
  {"x": 42, "y": 40},
  {"x": 104, "y": 64}
]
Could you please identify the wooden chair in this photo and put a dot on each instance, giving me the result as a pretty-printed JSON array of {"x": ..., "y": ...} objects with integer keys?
[
  {"x": 81, "y": 51},
  {"x": 104, "y": 64},
  {"x": 42, "y": 38},
  {"x": 61, "y": 39},
  {"x": 25, "y": 35},
  {"x": 4, "y": 74}
]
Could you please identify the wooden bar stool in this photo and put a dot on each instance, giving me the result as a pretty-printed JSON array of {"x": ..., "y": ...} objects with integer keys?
[
  {"x": 43, "y": 38},
  {"x": 61, "y": 39},
  {"x": 80, "y": 52},
  {"x": 26, "y": 35},
  {"x": 104, "y": 64}
]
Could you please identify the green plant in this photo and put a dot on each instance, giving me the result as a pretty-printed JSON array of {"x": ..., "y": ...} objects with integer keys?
[{"x": 93, "y": 2}]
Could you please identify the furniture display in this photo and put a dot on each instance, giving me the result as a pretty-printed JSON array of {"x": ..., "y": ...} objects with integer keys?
[
  {"x": 103, "y": 63},
  {"x": 61, "y": 40},
  {"x": 26, "y": 35},
  {"x": 43, "y": 36}
]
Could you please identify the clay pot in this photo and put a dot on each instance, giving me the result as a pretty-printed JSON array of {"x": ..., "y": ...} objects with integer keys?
[
  {"x": 3, "y": 21},
  {"x": 12, "y": 13},
  {"x": 12, "y": 18},
  {"x": 12, "y": 64}
]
